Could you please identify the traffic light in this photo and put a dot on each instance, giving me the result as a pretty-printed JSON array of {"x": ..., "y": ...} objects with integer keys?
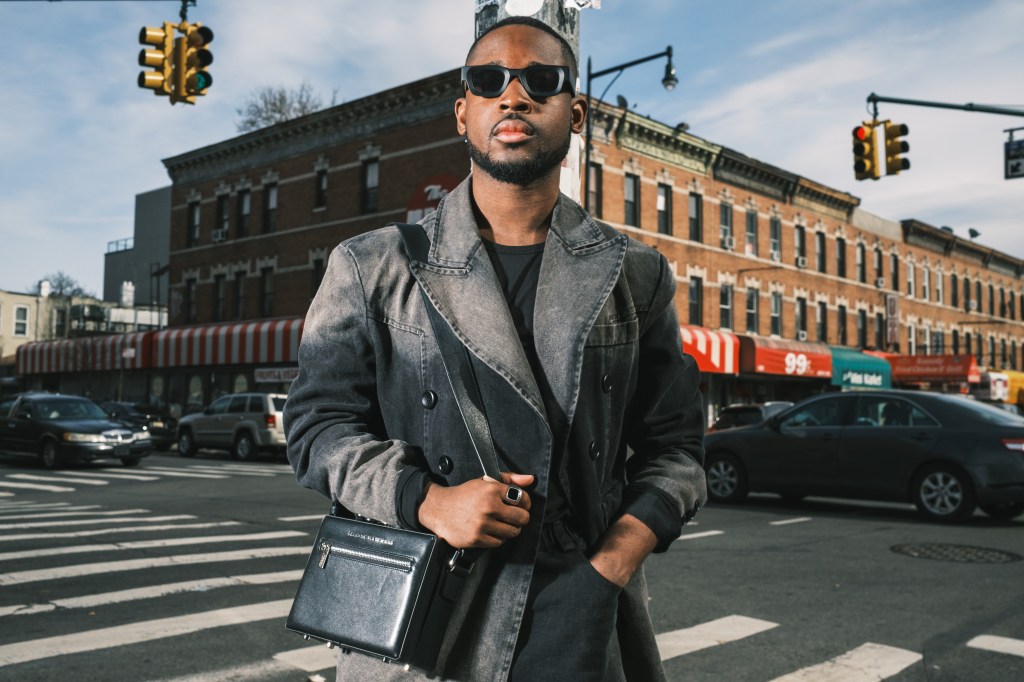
[
  {"x": 191, "y": 79},
  {"x": 895, "y": 148},
  {"x": 160, "y": 59},
  {"x": 865, "y": 152}
]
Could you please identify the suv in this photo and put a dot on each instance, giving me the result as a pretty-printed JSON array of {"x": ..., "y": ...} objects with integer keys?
[
  {"x": 242, "y": 423},
  {"x": 735, "y": 416}
]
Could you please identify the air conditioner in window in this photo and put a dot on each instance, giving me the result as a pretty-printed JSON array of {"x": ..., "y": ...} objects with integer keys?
[
  {"x": 801, "y": 261},
  {"x": 880, "y": 282},
  {"x": 730, "y": 243},
  {"x": 972, "y": 306},
  {"x": 776, "y": 256},
  {"x": 801, "y": 335},
  {"x": 219, "y": 235}
]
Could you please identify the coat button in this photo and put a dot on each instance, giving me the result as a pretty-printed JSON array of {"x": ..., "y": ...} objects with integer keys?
[
  {"x": 595, "y": 451},
  {"x": 428, "y": 399},
  {"x": 606, "y": 383},
  {"x": 445, "y": 464}
]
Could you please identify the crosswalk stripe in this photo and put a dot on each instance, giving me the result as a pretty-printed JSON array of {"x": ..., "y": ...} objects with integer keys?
[
  {"x": 61, "y": 572},
  {"x": 135, "y": 633},
  {"x": 6, "y": 514},
  {"x": 703, "y": 534},
  {"x": 310, "y": 658},
  {"x": 22, "y": 505},
  {"x": 86, "y": 522},
  {"x": 111, "y": 474},
  {"x": 151, "y": 592},
  {"x": 204, "y": 468},
  {"x": 5, "y": 494},
  {"x": 55, "y": 514},
  {"x": 149, "y": 544},
  {"x": 36, "y": 486},
  {"x": 307, "y": 517},
  {"x": 867, "y": 663},
  {"x": 57, "y": 479},
  {"x": 786, "y": 522},
  {"x": 712, "y": 633},
  {"x": 167, "y": 471},
  {"x": 1002, "y": 645},
  {"x": 260, "y": 670},
  {"x": 110, "y": 531}
]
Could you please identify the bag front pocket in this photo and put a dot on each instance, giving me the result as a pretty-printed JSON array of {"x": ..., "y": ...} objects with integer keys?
[{"x": 385, "y": 559}]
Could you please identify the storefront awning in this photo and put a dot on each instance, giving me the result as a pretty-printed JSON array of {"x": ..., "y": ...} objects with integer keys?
[
  {"x": 715, "y": 352},
  {"x": 934, "y": 368},
  {"x": 92, "y": 354},
  {"x": 759, "y": 355},
  {"x": 853, "y": 369},
  {"x": 243, "y": 343}
]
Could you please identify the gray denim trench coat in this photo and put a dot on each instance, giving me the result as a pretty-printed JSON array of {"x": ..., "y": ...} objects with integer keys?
[{"x": 607, "y": 337}]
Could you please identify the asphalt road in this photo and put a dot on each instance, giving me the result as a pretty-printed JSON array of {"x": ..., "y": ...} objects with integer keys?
[{"x": 184, "y": 570}]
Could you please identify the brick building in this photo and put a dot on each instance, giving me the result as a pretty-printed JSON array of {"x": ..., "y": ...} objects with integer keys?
[{"x": 782, "y": 281}]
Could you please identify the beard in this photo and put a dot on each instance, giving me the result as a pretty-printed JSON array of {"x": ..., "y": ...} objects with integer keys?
[{"x": 522, "y": 172}]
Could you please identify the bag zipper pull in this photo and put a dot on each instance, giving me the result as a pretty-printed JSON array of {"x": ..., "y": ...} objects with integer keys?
[{"x": 325, "y": 551}]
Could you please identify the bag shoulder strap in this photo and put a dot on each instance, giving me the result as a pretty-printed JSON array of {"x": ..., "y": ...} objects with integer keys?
[{"x": 456, "y": 360}]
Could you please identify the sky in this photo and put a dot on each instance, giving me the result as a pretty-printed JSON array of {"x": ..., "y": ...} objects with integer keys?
[{"x": 783, "y": 82}]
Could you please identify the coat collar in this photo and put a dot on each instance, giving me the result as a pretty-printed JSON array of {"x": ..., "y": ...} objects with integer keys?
[{"x": 580, "y": 265}]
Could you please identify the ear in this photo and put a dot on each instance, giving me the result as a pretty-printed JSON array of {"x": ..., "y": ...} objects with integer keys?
[
  {"x": 578, "y": 113},
  {"x": 460, "y": 115}
]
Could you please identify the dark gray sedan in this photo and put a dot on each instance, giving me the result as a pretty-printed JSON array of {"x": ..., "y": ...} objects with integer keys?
[{"x": 945, "y": 453}]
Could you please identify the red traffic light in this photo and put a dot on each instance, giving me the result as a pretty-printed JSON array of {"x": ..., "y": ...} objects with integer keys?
[{"x": 862, "y": 132}]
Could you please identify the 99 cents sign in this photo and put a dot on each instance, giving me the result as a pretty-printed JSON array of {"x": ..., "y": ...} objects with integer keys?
[{"x": 797, "y": 363}]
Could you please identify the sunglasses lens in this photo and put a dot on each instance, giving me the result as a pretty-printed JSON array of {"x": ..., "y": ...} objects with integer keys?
[
  {"x": 542, "y": 81},
  {"x": 486, "y": 81}
]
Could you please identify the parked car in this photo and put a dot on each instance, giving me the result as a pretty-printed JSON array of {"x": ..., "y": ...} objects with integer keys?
[
  {"x": 747, "y": 415},
  {"x": 944, "y": 453},
  {"x": 242, "y": 423},
  {"x": 64, "y": 428},
  {"x": 158, "y": 422}
]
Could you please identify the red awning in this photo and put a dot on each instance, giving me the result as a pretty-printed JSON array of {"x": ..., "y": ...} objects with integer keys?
[
  {"x": 759, "y": 355},
  {"x": 243, "y": 343},
  {"x": 935, "y": 368},
  {"x": 97, "y": 353},
  {"x": 715, "y": 352}
]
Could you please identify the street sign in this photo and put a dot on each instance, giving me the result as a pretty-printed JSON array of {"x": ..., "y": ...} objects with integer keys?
[{"x": 1014, "y": 159}]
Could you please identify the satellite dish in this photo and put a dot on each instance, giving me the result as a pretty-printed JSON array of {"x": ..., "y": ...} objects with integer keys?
[
  {"x": 622, "y": 101},
  {"x": 974, "y": 233}
]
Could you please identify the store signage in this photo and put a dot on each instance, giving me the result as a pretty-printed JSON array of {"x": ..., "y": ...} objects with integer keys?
[
  {"x": 934, "y": 368},
  {"x": 428, "y": 195},
  {"x": 859, "y": 379},
  {"x": 276, "y": 375}
]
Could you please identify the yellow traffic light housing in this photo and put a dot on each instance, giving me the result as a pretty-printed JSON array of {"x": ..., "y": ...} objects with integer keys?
[
  {"x": 865, "y": 151},
  {"x": 191, "y": 79},
  {"x": 160, "y": 59},
  {"x": 895, "y": 148}
]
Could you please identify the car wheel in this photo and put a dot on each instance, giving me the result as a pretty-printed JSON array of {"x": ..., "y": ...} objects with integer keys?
[
  {"x": 944, "y": 493},
  {"x": 186, "y": 444},
  {"x": 1004, "y": 512},
  {"x": 727, "y": 480},
  {"x": 49, "y": 455},
  {"x": 245, "y": 448},
  {"x": 131, "y": 461}
]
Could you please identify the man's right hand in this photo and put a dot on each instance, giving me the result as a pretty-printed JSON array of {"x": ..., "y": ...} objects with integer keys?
[{"x": 475, "y": 513}]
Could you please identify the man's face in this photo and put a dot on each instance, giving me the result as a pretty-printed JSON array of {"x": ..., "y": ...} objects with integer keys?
[{"x": 515, "y": 138}]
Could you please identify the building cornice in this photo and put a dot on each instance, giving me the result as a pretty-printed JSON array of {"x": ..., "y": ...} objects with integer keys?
[
  {"x": 743, "y": 171},
  {"x": 651, "y": 138}
]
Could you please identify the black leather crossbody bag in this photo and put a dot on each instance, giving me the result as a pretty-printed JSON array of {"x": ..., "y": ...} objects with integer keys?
[{"x": 386, "y": 591}]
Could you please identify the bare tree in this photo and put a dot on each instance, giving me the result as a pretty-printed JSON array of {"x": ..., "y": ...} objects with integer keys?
[
  {"x": 269, "y": 105},
  {"x": 63, "y": 284}
]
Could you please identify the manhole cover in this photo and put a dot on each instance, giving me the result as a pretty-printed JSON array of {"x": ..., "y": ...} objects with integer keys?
[{"x": 960, "y": 553}]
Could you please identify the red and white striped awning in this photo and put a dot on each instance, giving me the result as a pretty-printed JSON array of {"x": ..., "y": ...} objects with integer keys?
[
  {"x": 93, "y": 354},
  {"x": 715, "y": 352},
  {"x": 243, "y": 343}
]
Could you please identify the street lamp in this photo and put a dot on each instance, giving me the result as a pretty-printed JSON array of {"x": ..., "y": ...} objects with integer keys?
[{"x": 669, "y": 82}]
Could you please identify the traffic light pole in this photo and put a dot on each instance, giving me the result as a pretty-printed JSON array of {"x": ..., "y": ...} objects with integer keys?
[{"x": 980, "y": 108}]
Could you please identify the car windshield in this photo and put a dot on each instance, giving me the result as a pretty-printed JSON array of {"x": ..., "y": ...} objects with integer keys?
[
  {"x": 69, "y": 409},
  {"x": 988, "y": 413}
]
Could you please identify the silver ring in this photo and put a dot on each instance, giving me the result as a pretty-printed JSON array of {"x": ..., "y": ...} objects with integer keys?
[{"x": 513, "y": 494}]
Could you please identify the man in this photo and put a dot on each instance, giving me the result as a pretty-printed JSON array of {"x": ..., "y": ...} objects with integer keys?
[{"x": 575, "y": 345}]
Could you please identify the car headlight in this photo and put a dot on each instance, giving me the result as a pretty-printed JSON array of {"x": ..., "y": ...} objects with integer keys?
[
  {"x": 83, "y": 437},
  {"x": 142, "y": 435}
]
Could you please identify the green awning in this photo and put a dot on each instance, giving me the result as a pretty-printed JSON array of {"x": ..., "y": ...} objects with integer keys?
[{"x": 853, "y": 369}]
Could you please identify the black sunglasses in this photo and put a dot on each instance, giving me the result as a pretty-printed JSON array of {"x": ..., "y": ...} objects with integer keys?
[{"x": 539, "y": 80}]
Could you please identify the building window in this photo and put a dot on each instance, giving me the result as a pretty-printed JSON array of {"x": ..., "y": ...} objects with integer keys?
[
  {"x": 696, "y": 208},
  {"x": 862, "y": 328},
  {"x": 1002, "y": 354},
  {"x": 776, "y": 316},
  {"x": 775, "y": 236},
  {"x": 862, "y": 266},
  {"x": 841, "y": 324},
  {"x": 841, "y": 257},
  {"x": 267, "y": 292},
  {"x": 192, "y": 237},
  {"x": 219, "y": 298},
  {"x": 244, "y": 209},
  {"x": 938, "y": 342},
  {"x": 725, "y": 237},
  {"x": 822, "y": 322},
  {"x": 977, "y": 294},
  {"x": 878, "y": 264},
  {"x": 320, "y": 189},
  {"x": 911, "y": 280},
  {"x": 190, "y": 301},
  {"x": 631, "y": 207},
  {"x": 991, "y": 352},
  {"x": 894, "y": 268},
  {"x": 801, "y": 317},
  {"x": 879, "y": 331},
  {"x": 991, "y": 300},
  {"x": 1009, "y": 305},
  {"x": 269, "y": 208},
  {"x": 594, "y": 198},
  {"x": 371, "y": 186},
  {"x": 967, "y": 294},
  {"x": 967, "y": 343},
  {"x": 317, "y": 276},
  {"x": 939, "y": 293},
  {"x": 696, "y": 300},
  {"x": 954, "y": 291},
  {"x": 20, "y": 320},
  {"x": 223, "y": 216},
  {"x": 801, "y": 242},
  {"x": 927, "y": 340},
  {"x": 753, "y": 305},
  {"x": 911, "y": 339},
  {"x": 60, "y": 323},
  {"x": 926, "y": 276},
  {"x": 819, "y": 252},
  {"x": 665, "y": 209},
  {"x": 1013, "y": 355},
  {"x": 751, "y": 233},
  {"x": 240, "y": 295},
  {"x": 956, "y": 342},
  {"x": 725, "y": 306}
]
